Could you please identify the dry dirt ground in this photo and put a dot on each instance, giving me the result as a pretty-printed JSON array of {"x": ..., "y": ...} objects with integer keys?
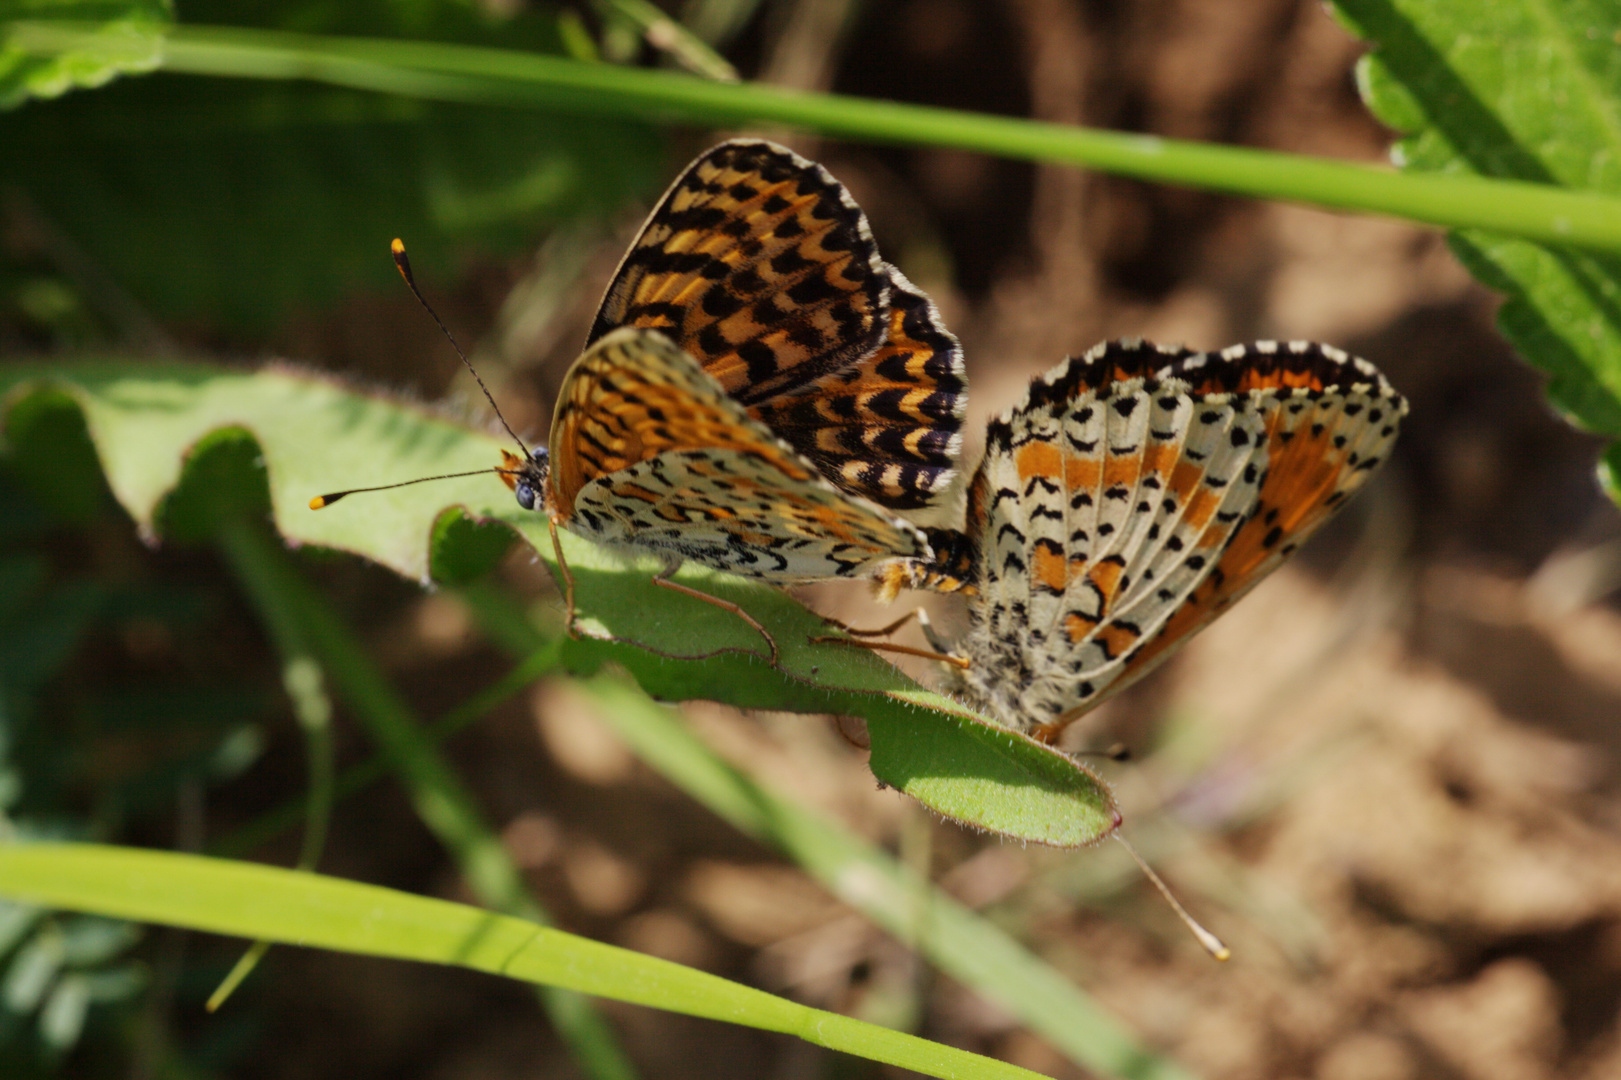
[{"x": 1389, "y": 778}]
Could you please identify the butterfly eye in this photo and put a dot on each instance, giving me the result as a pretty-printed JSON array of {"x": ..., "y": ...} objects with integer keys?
[{"x": 525, "y": 494}]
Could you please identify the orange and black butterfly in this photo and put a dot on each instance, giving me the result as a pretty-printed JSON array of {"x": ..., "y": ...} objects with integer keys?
[
  {"x": 1134, "y": 495},
  {"x": 760, "y": 391}
]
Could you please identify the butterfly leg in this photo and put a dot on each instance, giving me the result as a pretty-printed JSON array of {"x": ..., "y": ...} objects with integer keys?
[
  {"x": 882, "y": 631},
  {"x": 942, "y": 649},
  {"x": 884, "y": 646},
  {"x": 662, "y": 580},
  {"x": 568, "y": 578},
  {"x": 936, "y": 640}
]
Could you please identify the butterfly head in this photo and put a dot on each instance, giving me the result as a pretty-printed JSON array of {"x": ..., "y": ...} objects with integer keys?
[{"x": 528, "y": 477}]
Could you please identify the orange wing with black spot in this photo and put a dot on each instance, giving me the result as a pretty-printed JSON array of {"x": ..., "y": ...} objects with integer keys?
[
  {"x": 759, "y": 264},
  {"x": 635, "y": 395},
  {"x": 649, "y": 453},
  {"x": 888, "y": 426},
  {"x": 1137, "y": 492}
]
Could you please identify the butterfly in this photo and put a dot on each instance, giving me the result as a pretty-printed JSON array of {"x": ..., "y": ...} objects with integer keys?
[
  {"x": 1134, "y": 495},
  {"x": 760, "y": 391}
]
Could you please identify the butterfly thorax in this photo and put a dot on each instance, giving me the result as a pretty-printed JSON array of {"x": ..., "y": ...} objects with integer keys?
[{"x": 951, "y": 569}]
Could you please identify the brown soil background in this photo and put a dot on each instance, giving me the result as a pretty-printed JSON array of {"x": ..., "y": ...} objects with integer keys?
[{"x": 1389, "y": 778}]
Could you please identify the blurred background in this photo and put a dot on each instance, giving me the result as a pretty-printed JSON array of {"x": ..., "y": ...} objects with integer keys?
[{"x": 1388, "y": 779}]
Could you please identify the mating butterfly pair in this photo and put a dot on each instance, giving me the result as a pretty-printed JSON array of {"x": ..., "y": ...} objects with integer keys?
[{"x": 763, "y": 394}]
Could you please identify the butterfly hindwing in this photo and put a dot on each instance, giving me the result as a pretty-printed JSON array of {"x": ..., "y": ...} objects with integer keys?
[
  {"x": 1331, "y": 420},
  {"x": 760, "y": 265},
  {"x": 888, "y": 426},
  {"x": 1136, "y": 493}
]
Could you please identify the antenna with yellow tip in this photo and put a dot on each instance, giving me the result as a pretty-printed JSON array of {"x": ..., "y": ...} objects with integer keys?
[
  {"x": 321, "y": 502},
  {"x": 403, "y": 263}
]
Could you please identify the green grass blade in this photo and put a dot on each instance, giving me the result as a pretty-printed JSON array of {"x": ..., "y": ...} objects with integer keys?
[
  {"x": 494, "y": 76},
  {"x": 954, "y": 939},
  {"x": 305, "y": 684},
  {"x": 132, "y": 35},
  {"x": 252, "y": 901},
  {"x": 304, "y": 180},
  {"x": 673, "y": 39}
]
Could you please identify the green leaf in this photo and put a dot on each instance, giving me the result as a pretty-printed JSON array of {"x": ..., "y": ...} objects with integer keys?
[
  {"x": 310, "y": 910},
  {"x": 222, "y": 481},
  {"x": 151, "y": 423},
  {"x": 33, "y": 969},
  {"x": 16, "y": 920},
  {"x": 89, "y": 942},
  {"x": 1525, "y": 90},
  {"x": 462, "y": 549},
  {"x": 50, "y": 451},
  {"x": 62, "y": 1019},
  {"x": 127, "y": 37}
]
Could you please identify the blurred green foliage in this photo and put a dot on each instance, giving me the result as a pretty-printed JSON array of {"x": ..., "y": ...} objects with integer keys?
[
  {"x": 229, "y": 202},
  {"x": 93, "y": 750},
  {"x": 135, "y": 25}
]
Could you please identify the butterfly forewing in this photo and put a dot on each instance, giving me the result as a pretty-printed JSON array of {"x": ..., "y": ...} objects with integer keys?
[{"x": 649, "y": 452}]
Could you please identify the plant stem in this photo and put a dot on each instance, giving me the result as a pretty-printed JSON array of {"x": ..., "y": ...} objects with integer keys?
[{"x": 505, "y": 77}]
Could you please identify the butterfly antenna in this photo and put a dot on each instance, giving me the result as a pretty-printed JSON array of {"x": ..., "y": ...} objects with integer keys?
[
  {"x": 320, "y": 502},
  {"x": 1212, "y": 944},
  {"x": 403, "y": 261}
]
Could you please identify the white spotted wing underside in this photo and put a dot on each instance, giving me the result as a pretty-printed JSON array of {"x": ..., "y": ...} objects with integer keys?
[{"x": 1135, "y": 494}]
